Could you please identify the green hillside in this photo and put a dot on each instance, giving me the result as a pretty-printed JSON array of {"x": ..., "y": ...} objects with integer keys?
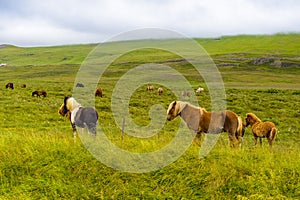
[{"x": 40, "y": 160}]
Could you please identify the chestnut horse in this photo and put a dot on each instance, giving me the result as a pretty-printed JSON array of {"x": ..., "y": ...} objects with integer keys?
[
  {"x": 201, "y": 121},
  {"x": 160, "y": 91},
  {"x": 98, "y": 92},
  {"x": 83, "y": 117},
  {"x": 261, "y": 129}
]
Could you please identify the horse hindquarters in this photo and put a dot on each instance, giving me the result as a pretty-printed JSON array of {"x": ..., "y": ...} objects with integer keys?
[
  {"x": 87, "y": 118},
  {"x": 233, "y": 126}
]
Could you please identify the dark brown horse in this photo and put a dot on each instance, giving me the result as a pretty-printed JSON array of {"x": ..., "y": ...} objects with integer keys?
[
  {"x": 261, "y": 129},
  {"x": 83, "y": 117},
  {"x": 9, "y": 85},
  {"x": 39, "y": 93},
  {"x": 79, "y": 85},
  {"x": 201, "y": 121},
  {"x": 98, "y": 92}
]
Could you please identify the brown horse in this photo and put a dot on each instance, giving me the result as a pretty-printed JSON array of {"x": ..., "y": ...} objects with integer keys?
[
  {"x": 201, "y": 121},
  {"x": 79, "y": 116},
  {"x": 39, "y": 93},
  {"x": 98, "y": 92},
  {"x": 160, "y": 91},
  {"x": 23, "y": 85},
  {"x": 9, "y": 85},
  {"x": 261, "y": 129}
]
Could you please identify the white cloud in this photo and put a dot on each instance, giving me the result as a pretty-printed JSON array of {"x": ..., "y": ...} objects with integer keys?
[{"x": 34, "y": 22}]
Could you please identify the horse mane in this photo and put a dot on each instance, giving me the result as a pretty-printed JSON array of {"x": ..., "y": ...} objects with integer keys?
[
  {"x": 183, "y": 104},
  {"x": 253, "y": 116},
  {"x": 70, "y": 103}
]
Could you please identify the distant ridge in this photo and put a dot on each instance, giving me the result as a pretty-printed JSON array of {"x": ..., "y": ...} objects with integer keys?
[{"x": 6, "y": 45}]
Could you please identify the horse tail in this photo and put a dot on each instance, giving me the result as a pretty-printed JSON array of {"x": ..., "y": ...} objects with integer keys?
[
  {"x": 273, "y": 133},
  {"x": 239, "y": 130}
]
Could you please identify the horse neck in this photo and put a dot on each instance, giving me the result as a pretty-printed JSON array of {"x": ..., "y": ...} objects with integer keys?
[
  {"x": 74, "y": 105},
  {"x": 191, "y": 115},
  {"x": 255, "y": 121}
]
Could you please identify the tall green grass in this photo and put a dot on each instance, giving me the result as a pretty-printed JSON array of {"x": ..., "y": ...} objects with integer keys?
[{"x": 40, "y": 160}]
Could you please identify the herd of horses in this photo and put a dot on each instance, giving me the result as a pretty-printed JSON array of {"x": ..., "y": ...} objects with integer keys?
[
  {"x": 197, "y": 119},
  {"x": 39, "y": 93}
]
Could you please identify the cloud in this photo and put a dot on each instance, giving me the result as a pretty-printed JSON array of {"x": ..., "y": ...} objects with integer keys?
[{"x": 33, "y": 22}]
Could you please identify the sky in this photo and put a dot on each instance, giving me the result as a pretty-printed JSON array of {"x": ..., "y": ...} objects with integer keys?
[{"x": 61, "y": 22}]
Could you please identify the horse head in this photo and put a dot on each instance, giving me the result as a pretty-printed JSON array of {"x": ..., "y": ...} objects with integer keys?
[
  {"x": 68, "y": 106},
  {"x": 251, "y": 119},
  {"x": 175, "y": 109}
]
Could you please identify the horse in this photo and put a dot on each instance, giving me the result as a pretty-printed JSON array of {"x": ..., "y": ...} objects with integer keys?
[
  {"x": 201, "y": 121},
  {"x": 9, "y": 85},
  {"x": 39, "y": 93},
  {"x": 79, "y": 85},
  {"x": 199, "y": 90},
  {"x": 98, "y": 92},
  {"x": 261, "y": 129},
  {"x": 150, "y": 88},
  {"x": 23, "y": 85},
  {"x": 83, "y": 117},
  {"x": 160, "y": 91},
  {"x": 185, "y": 94}
]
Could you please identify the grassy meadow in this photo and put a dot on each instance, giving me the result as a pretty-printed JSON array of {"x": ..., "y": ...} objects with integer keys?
[{"x": 39, "y": 159}]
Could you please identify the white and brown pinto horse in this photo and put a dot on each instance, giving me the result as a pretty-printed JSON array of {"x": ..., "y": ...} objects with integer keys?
[
  {"x": 83, "y": 117},
  {"x": 201, "y": 121}
]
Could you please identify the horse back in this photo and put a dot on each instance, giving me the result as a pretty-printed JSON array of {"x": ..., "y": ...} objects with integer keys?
[
  {"x": 263, "y": 129},
  {"x": 86, "y": 115}
]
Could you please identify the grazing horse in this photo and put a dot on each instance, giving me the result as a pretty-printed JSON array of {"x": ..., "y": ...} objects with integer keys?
[
  {"x": 23, "y": 85},
  {"x": 9, "y": 85},
  {"x": 261, "y": 129},
  {"x": 83, "y": 117},
  {"x": 79, "y": 85},
  {"x": 39, "y": 93},
  {"x": 150, "y": 88},
  {"x": 98, "y": 92},
  {"x": 201, "y": 121},
  {"x": 160, "y": 91},
  {"x": 200, "y": 89},
  {"x": 185, "y": 94}
]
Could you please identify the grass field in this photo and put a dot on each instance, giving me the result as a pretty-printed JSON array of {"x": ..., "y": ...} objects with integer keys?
[{"x": 39, "y": 159}]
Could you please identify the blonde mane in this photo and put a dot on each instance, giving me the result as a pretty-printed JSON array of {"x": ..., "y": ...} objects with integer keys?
[
  {"x": 180, "y": 105},
  {"x": 71, "y": 104},
  {"x": 254, "y": 117}
]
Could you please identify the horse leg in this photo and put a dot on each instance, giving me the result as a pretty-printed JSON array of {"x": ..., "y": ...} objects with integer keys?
[
  {"x": 255, "y": 140},
  {"x": 74, "y": 131},
  {"x": 233, "y": 140},
  {"x": 198, "y": 139},
  {"x": 260, "y": 141},
  {"x": 270, "y": 140},
  {"x": 91, "y": 128}
]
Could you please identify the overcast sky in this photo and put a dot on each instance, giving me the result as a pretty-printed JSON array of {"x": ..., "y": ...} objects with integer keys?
[{"x": 58, "y": 22}]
